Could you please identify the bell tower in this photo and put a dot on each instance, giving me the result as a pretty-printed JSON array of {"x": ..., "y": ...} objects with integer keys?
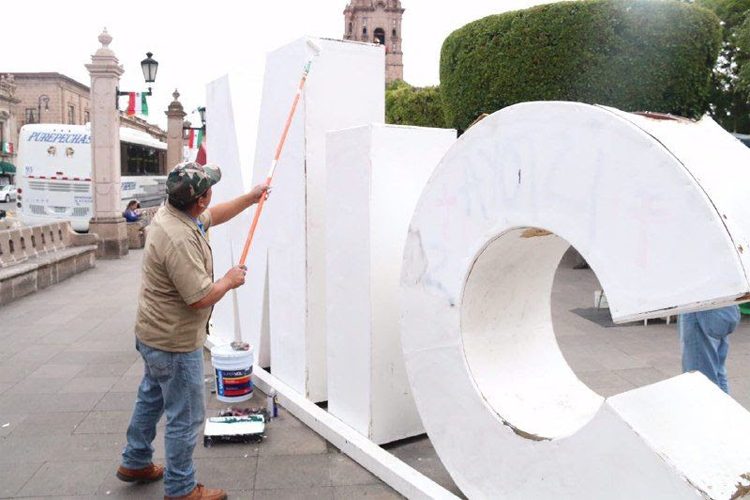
[{"x": 378, "y": 21}]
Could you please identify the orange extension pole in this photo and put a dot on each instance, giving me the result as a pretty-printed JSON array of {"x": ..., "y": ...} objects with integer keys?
[{"x": 279, "y": 148}]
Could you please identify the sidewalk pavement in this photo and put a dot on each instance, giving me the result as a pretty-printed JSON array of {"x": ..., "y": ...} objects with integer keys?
[
  {"x": 68, "y": 378},
  {"x": 611, "y": 360},
  {"x": 69, "y": 372}
]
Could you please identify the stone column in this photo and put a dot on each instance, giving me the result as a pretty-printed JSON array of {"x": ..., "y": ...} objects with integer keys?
[
  {"x": 175, "y": 116},
  {"x": 107, "y": 222}
]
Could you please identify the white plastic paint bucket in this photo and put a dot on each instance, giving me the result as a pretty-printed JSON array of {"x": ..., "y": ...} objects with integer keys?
[{"x": 233, "y": 372}]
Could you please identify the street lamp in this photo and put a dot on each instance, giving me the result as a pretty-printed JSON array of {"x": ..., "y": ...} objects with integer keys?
[
  {"x": 202, "y": 112},
  {"x": 42, "y": 98},
  {"x": 149, "y": 66},
  {"x": 201, "y": 134}
]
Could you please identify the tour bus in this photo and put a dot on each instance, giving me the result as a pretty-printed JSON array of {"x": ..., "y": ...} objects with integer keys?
[{"x": 54, "y": 172}]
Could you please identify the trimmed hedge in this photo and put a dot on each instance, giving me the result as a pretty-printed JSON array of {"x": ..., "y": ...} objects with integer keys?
[
  {"x": 407, "y": 105},
  {"x": 636, "y": 55}
]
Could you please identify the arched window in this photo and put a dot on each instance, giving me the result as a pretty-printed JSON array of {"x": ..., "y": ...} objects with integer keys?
[
  {"x": 393, "y": 33},
  {"x": 364, "y": 30},
  {"x": 379, "y": 36},
  {"x": 350, "y": 28}
]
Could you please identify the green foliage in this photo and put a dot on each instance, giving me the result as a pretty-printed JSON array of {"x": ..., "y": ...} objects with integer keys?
[
  {"x": 630, "y": 54},
  {"x": 731, "y": 76},
  {"x": 742, "y": 61},
  {"x": 407, "y": 105},
  {"x": 731, "y": 12}
]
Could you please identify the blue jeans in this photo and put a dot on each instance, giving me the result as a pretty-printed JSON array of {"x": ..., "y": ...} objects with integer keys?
[
  {"x": 172, "y": 384},
  {"x": 704, "y": 336}
]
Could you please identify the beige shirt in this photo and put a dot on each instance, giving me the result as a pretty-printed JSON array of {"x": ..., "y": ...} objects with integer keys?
[{"x": 177, "y": 271}]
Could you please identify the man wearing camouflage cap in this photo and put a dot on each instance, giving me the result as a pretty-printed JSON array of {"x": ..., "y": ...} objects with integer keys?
[{"x": 175, "y": 303}]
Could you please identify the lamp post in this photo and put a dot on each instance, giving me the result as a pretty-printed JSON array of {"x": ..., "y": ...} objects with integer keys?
[
  {"x": 149, "y": 67},
  {"x": 42, "y": 98},
  {"x": 201, "y": 130},
  {"x": 202, "y": 112}
]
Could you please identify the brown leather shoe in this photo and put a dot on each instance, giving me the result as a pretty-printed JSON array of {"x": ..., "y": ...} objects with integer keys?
[
  {"x": 201, "y": 493},
  {"x": 148, "y": 474}
]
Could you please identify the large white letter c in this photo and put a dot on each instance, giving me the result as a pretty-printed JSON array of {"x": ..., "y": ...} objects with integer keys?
[{"x": 658, "y": 208}]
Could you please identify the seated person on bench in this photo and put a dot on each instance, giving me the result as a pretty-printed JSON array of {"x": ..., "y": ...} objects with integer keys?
[{"x": 131, "y": 213}]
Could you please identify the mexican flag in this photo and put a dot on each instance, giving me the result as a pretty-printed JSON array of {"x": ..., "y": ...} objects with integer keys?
[
  {"x": 200, "y": 158},
  {"x": 144, "y": 104},
  {"x": 8, "y": 148},
  {"x": 131, "y": 103},
  {"x": 192, "y": 143},
  {"x": 137, "y": 104}
]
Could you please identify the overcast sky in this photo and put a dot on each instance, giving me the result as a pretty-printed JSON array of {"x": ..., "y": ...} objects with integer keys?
[{"x": 196, "y": 42}]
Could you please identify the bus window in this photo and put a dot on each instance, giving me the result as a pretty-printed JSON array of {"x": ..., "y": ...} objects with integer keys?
[{"x": 136, "y": 159}]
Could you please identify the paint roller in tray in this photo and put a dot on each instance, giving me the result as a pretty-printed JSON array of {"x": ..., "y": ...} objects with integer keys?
[
  {"x": 234, "y": 429},
  {"x": 280, "y": 146}
]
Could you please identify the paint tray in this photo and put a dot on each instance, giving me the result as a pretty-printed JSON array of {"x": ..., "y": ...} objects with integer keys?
[{"x": 242, "y": 429}]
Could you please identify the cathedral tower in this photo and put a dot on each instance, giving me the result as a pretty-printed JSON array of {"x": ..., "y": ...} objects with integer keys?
[{"x": 378, "y": 21}]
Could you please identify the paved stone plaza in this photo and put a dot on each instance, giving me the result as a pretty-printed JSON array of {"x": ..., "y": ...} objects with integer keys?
[{"x": 69, "y": 372}]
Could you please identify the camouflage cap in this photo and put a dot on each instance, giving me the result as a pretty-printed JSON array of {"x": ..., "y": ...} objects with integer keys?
[{"x": 189, "y": 180}]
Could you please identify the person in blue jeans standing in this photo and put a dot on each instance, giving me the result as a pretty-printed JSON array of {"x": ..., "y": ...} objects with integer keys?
[
  {"x": 177, "y": 294},
  {"x": 704, "y": 336}
]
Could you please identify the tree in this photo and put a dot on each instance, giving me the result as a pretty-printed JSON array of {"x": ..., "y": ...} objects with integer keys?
[
  {"x": 407, "y": 105},
  {"x": 731, "y": 75},
  {"x": 636, "y": 55}
]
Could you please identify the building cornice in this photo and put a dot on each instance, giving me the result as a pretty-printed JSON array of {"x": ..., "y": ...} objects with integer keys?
[{"x": 48, "y": 76}]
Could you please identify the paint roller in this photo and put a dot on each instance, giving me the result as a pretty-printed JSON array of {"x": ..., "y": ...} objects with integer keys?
[
  {"x": 238, "y": 344},
  {"x": 315, "y": 48}
]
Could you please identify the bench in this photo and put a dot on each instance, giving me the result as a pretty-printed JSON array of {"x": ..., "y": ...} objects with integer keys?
[
  {"x": 35, "y": 257},
  {"x": 136, "y": 230}
]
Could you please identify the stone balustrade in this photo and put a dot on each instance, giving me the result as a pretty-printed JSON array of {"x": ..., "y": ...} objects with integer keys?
[{"x": 35, "y": 257}]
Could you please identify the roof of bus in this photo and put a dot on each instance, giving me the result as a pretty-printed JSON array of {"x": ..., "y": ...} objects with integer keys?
[
  {"x": 130, "y": 135},
  {"x": 139, "y": 137}
]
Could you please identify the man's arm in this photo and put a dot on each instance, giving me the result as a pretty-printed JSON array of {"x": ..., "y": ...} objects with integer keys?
[
  {"x": 225, "y": 211},
  {"x": 234, "y": 278}
]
